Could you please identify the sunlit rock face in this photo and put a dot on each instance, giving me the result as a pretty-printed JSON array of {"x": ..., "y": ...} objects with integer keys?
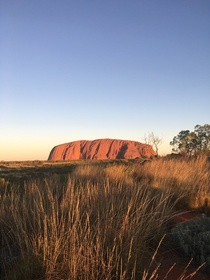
[{"x": 101, "y": 149}]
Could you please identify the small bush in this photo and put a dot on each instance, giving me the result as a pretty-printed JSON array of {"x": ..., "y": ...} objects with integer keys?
[{"x": 193, "y": 239}]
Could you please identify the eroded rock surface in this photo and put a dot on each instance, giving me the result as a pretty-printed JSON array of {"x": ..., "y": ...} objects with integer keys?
[{"x": 101, "y": 149}]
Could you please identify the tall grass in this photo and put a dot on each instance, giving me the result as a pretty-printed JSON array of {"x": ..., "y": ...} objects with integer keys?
[
  {"x": 186, "y": 178},
  {"x": 100, "y": 222}
]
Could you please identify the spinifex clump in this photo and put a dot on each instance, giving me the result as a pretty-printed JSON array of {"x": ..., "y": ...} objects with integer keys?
[{"x": 193, "y": 238}]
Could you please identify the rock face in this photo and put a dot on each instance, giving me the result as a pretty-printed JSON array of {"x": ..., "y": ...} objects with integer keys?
[{"x": 101, "y": 149}]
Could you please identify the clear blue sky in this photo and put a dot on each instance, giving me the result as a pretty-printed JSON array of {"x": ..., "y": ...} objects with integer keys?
[{"x": 90, "y": 69}]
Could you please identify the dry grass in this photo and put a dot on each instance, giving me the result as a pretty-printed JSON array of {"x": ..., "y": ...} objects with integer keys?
[
  {"x": 97, "y": 223},
  {"x": 187, "y": 178}
]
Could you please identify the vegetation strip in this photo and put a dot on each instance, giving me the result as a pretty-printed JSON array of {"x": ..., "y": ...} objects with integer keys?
[{"x": 101, "y": 220}]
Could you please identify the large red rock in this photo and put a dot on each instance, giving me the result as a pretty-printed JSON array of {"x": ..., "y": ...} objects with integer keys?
[{"x": 101, "y": 149}]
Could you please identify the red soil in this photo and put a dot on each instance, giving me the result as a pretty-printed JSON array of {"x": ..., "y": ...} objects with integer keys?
[{"x": 101, "y": 149}]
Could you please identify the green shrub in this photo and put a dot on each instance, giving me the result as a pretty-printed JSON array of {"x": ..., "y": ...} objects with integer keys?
[{"x": 193, "y": 239}]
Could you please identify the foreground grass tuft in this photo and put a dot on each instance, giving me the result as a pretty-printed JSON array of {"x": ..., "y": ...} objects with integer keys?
[{"x": 99, "y": 222}]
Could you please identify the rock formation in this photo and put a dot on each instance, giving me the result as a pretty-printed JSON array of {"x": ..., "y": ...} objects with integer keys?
[{"x": 101, "y": 149}]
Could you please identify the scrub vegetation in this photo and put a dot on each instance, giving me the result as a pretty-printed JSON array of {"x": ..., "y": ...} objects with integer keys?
[{"x": 94, "y": 219}]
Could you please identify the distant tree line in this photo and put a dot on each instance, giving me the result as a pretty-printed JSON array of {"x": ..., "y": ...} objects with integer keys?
[{"x": 192, "y": 142}]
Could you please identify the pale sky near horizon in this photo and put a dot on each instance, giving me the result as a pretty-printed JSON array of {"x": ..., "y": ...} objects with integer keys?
[{"x": 90, "y": 69}]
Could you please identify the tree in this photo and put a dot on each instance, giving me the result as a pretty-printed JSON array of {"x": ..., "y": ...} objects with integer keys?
[
  {"x": 153, "y": 140},
  {"x": 203, "y": 134},
  {"x": 192, "y": 143}
]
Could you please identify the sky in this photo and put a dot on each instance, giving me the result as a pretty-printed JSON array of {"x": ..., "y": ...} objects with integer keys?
[{"x": 90, "y": 69}]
